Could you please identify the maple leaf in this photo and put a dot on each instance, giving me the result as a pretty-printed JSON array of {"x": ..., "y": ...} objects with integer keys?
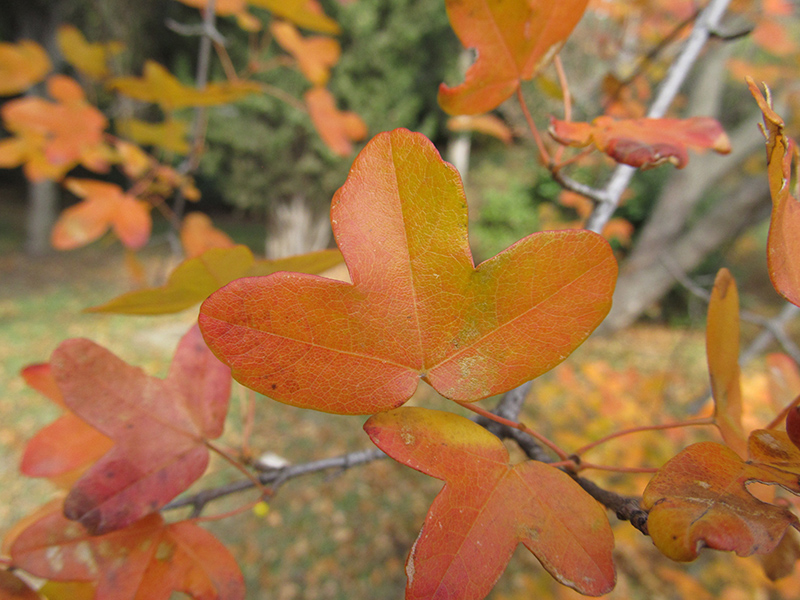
[
  {"x": 417, "y": 307},
  {"x": 161, "y": 87},
  {"x": 338, "y": 129},
  {"x": 150, "y": 559},
  {"x": 169, "y": 135},
  {"x": 195, "y": 279},
  {"x": 783, "y": 243},
  {"x": 65, "y": 448},
  {"x": 514, "y": 40},
  {"x": 315, "y": 55},
  {"x": 52, "y": 138},
  {"x": 159, "y": 427},
  {"x": 89, "y": 58},
  {"x": 198, "y": 234},
  {"x": 644, "y": 143},
  {"x": 486, "y": 124},
  {"x": 488, "y": 506},
  {"x": 699, "y": 498},
  {"x": 722, "y": 349},
  {"x": 307, "y": 14},
  {"x": 104, "y": 206},
  {"x": 22, "y": 65}
]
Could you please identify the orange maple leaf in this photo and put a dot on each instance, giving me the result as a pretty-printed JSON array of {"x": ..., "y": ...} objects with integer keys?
[
  {"x": 150, "y": 559},
  {"x": 338, "y": 129},
  {"x": 50, "y": 138},
  {"x": 315, "y": 55},
  {"x": 514, "y": 40},
  {"x": 418, "y": 307},
  {"x": 105, "y": 206},
  {"x": 488, "y": 506}
]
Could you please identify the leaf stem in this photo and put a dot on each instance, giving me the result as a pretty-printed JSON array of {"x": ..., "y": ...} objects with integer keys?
[
  {"x": 782, "y": 415},
  {"x": 515, "y": 425},
  {"x": 544, "y": 155},
  {"x": 567, "y": 97},
  {"x": 265, "y": 491},
  {"x": 623, "y": 432}
]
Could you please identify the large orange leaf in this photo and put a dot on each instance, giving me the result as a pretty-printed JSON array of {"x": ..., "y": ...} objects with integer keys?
[
  {"x": 50, "y": 138},
  {"x": 417, "y": 307},
  {"x": 315, "y": 55},
  {"x": 722, "y": 349},
  {"x": 161, "y": 87},
  {"x": 644, "y": 143},
  {"x": 21, "y": 65},
  {"x": 338, "y": 129},
  {"x": 700, "y": 499},
  {"x": 195, "y": 279},
  {"x": 150, "y": 559},
  {"x": 66, "y": 447},
  {"x": 783, "y": 244},
  {"x": 514, "y": 40},
  {"x": 89, "y": 58},
  {"x": 105, "y": 206},
  {"x": 158, "y": 425},
  {"x": 307, "y": 14},
  {"x": 488, "y": 506}
]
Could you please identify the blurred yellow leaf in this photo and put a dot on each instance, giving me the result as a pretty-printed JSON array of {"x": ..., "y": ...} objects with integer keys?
[
  {"x": 21, "y": 65},
  {"x": 89, "y": 58}
]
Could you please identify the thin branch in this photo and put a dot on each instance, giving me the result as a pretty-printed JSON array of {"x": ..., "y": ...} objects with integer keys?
[
  {"x": 274, "y": 478},
  {"x": 774, "y": 327}
]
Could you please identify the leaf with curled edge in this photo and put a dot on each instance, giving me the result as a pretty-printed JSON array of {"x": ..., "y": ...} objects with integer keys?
[
  {"x": 149, "y": 559},
  {"x": 644, "y": 143},
  {"x": 514, "y": 39},
  {"x": 700, "y": 499},
  {"x": 159, "y": 427},
  {"x": 195, "y": 279},
  {"x": 722, "y": 348},
  {"x": 417, "y": 307},
  {"x": 783, "y": 243},
  {"x": 488, "y": 506}
]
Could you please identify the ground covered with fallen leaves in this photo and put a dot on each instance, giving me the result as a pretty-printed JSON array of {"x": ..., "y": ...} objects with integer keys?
[{"x": 346, "y": 535}]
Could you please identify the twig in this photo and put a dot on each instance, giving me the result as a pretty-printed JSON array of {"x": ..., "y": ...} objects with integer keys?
[
  {"x": 774, "y": 328},
  {"x": 274, "y": 478}
]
